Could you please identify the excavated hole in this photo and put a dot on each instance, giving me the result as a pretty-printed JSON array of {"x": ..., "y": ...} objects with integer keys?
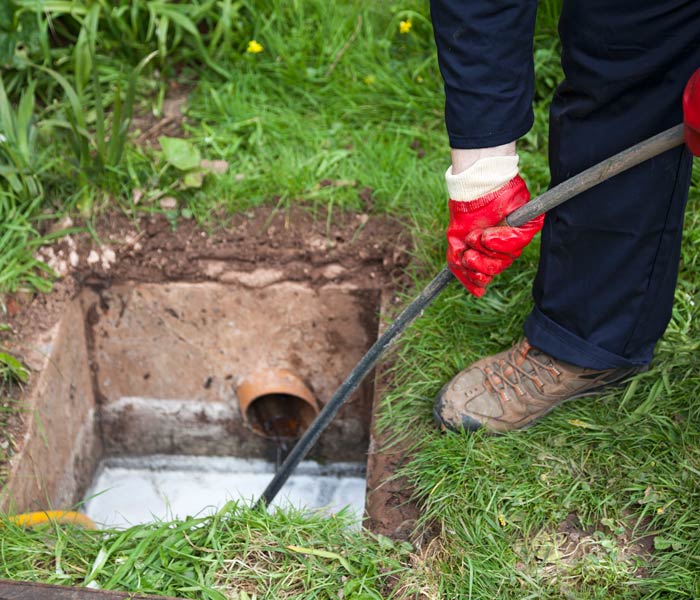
[{"x": 162, "y": 433}]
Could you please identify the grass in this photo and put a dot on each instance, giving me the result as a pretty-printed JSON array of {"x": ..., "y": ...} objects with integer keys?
[
  {"x": 342, "y": 96},
  {"x": 624, "y": 463},
  {"x": 13, "y": 374},
  {"x": 237, "y": 553}
]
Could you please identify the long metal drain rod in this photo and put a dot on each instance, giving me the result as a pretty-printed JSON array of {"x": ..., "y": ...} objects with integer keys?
[{"x": 585, "y": 180}]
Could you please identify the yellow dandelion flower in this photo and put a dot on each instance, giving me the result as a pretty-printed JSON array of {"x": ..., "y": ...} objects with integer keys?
[
  {"x": 405, "y": 26},
  {"x": 370, "y": 79},
  {"x": 501, "y": 520},
  {"x": 660, "y": 510},
  {"x": 254, "y": 47}
]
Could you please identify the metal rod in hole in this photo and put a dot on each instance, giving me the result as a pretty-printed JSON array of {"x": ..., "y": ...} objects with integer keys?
[{"x": 557, "y": 195}]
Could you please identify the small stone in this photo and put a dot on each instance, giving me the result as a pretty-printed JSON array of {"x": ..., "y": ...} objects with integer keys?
[
  {"x": 109, "y": 255},
  {"x": 93, "y": 258},
  {"x": 218, "y": 167},
  {"x": 59, "y": 265},
  {"x": 48, "y": 252},
  {"x": 333, "y": 271},
  {"x": 168, "y": 203},
  {"x": 73, "y": 259},
  {"x": 320, "y": 243}
]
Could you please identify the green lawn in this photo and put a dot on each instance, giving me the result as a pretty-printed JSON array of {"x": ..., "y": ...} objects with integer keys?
[{"x": 338, "y": 92}]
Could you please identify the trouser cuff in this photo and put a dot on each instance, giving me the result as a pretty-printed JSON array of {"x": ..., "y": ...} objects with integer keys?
[{"x": 553, "y": 339}]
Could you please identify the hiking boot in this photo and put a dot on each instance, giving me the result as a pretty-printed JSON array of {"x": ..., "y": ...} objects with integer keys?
[{"x": 512, "y": 389}]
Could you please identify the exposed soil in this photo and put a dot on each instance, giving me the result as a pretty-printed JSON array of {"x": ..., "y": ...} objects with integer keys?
[
  {"x": 388, "y": 506},
  {"x": 147, "y": 127},
  {"x": 257, "y": 248},
  {"x": 367, "y": 253}
]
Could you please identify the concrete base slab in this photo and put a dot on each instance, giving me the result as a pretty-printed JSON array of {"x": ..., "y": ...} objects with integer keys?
[{"x": 135, "y": 490}]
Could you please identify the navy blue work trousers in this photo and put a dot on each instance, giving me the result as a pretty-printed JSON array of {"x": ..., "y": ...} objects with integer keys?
[{"x": 609, "y": 257}]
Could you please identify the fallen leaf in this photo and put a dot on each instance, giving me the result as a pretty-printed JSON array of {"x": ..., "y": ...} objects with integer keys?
[
  {"x": 582, "y": 424},
  {"x": 323, "y": 554},
  {"x": 181, "y": 154}
]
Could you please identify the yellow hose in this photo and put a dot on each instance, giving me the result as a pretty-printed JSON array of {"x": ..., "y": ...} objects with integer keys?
[{"x": 70, "y": 517}]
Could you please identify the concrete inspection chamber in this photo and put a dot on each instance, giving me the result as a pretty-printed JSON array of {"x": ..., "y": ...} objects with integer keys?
[{"x": 135, "y": 407}]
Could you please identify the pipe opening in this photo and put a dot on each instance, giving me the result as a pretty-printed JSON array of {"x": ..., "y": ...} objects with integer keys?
[
  {"x": 280, "y": 416},
  {"x": 277, "y": 404}
]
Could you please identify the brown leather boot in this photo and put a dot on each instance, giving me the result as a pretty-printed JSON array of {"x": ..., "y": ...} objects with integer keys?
[{"x": 512, "y": 389}]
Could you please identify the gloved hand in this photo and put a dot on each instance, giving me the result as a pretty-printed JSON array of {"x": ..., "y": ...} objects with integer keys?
[
  {"x": 691, "y": 113},
  {"x": 478, "y": 247}
]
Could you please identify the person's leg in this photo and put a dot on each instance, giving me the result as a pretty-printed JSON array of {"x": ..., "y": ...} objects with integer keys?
[
  {"x": 485, "y": 57},
  {"x": 609, "y": 258}
]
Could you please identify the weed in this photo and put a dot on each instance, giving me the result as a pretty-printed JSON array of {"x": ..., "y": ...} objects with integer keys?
[
  {"x": 21, "y": 162},
  {"x": 12, "y": 372}
]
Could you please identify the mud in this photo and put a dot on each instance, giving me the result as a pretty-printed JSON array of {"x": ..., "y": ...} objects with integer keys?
[
  {"x": 256, "y": 248},
  {"x": 388, "y": 506}
]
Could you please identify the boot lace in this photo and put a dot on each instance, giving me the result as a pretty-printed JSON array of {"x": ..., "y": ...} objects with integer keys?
[{"x": 508, "y": 373}]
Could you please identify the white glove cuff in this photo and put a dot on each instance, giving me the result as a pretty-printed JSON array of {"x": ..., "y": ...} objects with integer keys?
[{"x": 484, "y": 176}]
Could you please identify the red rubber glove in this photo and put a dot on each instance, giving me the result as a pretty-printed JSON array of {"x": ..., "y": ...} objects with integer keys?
[
  {"x": 477, "y": 246},
  {"x": 691, "y": 113}
]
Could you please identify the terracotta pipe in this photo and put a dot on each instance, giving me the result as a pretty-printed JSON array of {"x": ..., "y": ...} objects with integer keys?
[{"x": 276, "y": 403}]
